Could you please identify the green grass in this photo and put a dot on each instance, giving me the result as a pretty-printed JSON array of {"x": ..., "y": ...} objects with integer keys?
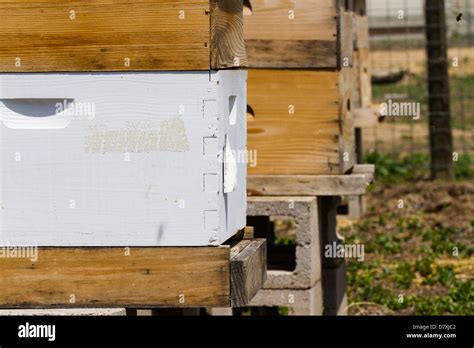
[
  {"x": 395, "y": 270},
  {"x": 391, "y": 169},
  {"x": 383, "y": 286}
]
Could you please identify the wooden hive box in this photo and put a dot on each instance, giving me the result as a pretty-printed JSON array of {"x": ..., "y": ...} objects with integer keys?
[
  {"x": 298, "y": 33},
  {"x": 299, "y": 95},
  {"x": 300, "y": 121},
  {"x": 122, "y": 159},
  {"x": 122, "y": 35}
]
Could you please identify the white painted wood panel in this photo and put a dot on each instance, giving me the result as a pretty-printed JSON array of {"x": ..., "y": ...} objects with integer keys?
[{"x": 134, "y": 158}]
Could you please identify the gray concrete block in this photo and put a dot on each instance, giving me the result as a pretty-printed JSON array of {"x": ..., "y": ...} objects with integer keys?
[
  {"x": 328, "y": 229},
  {"x": 343, "y": 310},
  {"x": 305, "y": 212},
  {"x": 357, "y": 206},
  {"x": 220, "y": 311},
  {"x": 334, "y": 282},
  {"x": 298, "y": 302}
]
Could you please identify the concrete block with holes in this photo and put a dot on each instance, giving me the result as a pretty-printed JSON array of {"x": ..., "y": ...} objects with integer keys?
[
  {"x": 298, "y": 301},
  {"x": 304, "y": 211},
  {"x": 334, "y": 281}
]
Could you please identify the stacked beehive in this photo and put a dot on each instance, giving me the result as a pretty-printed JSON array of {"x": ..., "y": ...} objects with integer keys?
[
  {"x": 300, "y": 125},
  {"x": 300, "y": 96},
  {"x": 120, "y": 127}
]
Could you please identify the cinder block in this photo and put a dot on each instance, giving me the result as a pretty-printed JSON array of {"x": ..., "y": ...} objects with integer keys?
[
  {"x": 299, "y": 302},
  {"x": 328, "y": 232},
  {"x": 304, "y": 210},
  {"x": 343, "y": 307},
  {"x": 357, "y": 207},
  {"x": 334, "y": 283},
  {"x": 220, "y": 311}
]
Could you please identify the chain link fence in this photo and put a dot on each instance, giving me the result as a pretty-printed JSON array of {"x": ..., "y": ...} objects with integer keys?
[{"x": 398, "y": 60}]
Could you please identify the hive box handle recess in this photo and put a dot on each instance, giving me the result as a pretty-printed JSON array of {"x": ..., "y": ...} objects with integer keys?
[{"x": 33, "y": 113}]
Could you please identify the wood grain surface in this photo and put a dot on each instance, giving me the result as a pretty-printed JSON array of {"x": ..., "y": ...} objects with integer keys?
[
  {"x": 120, "y": 35},
  {"x": 292, "y": 34},
  {"x": 248, "y": 272},
  {"x": 296, "y": 127},
  {"x": 312, "y": 185},
  {"x": 117, "y": 277}
]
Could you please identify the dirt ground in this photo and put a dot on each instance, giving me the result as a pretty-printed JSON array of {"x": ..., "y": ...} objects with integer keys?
[
  {"x": 402, "y": 138},
  {"x": 422, "y": 253},
  {"x": 414, "y": 60},
  {"x": 442, "y": 203}
]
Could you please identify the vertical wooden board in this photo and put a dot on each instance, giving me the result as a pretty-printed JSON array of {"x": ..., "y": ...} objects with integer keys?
[
  {"x": 361, "y": 79},
  {"x": 117, "y": 277},
  {"x": 294, "y": 122},
  {"x": 345, "y": 35},
  {"x": 361, "y": 25},
  {"x": 104, "y": 35},
  {"x": 346, "y": 136},
  {"x": 227, "y": 34},
  {"x": 365, "y": 77},
  {"x": 356, "y": 81},
  {"x": 291, "y": 34}
]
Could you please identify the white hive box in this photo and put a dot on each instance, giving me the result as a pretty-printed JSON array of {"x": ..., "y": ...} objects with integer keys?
[{"x": 135, "y": 159}]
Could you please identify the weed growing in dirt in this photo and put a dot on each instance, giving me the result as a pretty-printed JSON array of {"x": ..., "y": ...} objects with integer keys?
[{"x": 419, "y": 260}]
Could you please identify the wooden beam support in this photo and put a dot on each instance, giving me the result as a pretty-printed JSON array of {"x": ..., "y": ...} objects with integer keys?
[
  {"x": 365, "y": 117},
  {"x": 181, "y": 277},
  {"x": 117, "y": 277},
  {"x": 311, "y": 185},
  {"x": 368, "y": 169},
  {"x": 248, "y": 270}
]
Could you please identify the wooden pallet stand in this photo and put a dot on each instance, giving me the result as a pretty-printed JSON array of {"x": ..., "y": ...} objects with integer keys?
[{"x": 312, "y": 185}]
